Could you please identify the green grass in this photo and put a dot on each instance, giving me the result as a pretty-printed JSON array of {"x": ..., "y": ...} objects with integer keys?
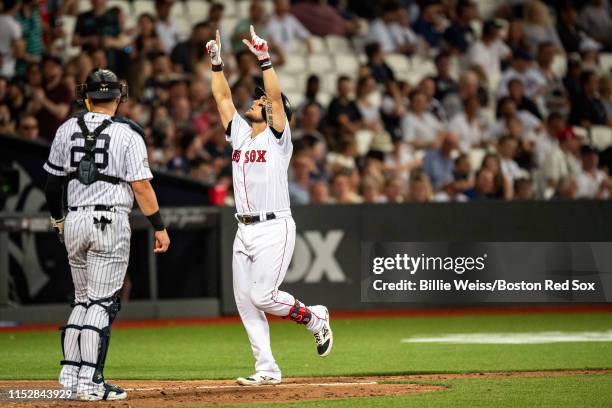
[
  {"x": 583, "y": 391},
  {"x": 362, "y": 347}
]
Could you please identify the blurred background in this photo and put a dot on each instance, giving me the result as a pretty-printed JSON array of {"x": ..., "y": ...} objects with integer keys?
[{"x": 501, "y": 110}]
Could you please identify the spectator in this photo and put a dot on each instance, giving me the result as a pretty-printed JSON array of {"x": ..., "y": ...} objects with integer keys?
[
  {"x": 562, "y": 161},
  {"x": 395, "y": 189},
  {"x": 341, "y": 190},
  {"x": 371, "y": 191},
  {"x": 460, "y": 34},
  {"x": 7, "y": 125},
  {"x": 550, "y": 94},
  {"x": 188, "y": 53},
  {"x": 569, "y": 32},
  {"x": 605, "y": 93},
  {"x": 256, "y": 18},
  {"x": 516, "y": 92},
  {"x": 167, "y": 31},
  {"x": 12, "y": 46},
  {"x": 469, "y": 86},
  {"x": 320, "y": 18},
  {"x": 342, "y": 112},
  {"x": 28, "y": 127},
  {"x": 249, "y": 73},
  {"x": 344, "y": 158},
  {"x": 521, "y": 68},
  {"x": 589, "y": 53},
  {"x": 32, "y": 31},
  {"x": 444, "y": 82},
  {"x": 546, "y": 142},
  {"x": 319, "y": 193},
  {"x": 301, "y": 167},
  {"x": 507, "y": 148},
  {"x": 428, "y": 87},
  {"x": 313, "y": 85},
  {"x": 50, "y": 103},
  {"x": 420, "y": 128},
  {"x": 431, "y": 23},
  {"x": 489, "y": 52},
  {"x": 419, "y": 189},
  {"x": 377, "y": 65},
  {"x": 369, "y": 110},
  {"x": 392, "y": 108},
  {"x": 538, "y": 25},
  {"x": 468, "y": 126},
  {"x": 592, "y": 182},
  {"x": 596, "y": 21},
  {"x": 284, "y": 29},
  {"x": 501, "y": 187},
  {"x": 567, "y": 189},
  {"x": 438, "y": 163},
  {"x": 523, "y": 189},
  {"x": 390, "y": 33},
  {"x": 507, "y": 113},
  {"x": 311, "y": 120},
  {"x": 101, "y": 28},
  {"x": 147, "y": 41},
  {"x": 484, "y": 189},
  {"x": 588, "y": 109}
]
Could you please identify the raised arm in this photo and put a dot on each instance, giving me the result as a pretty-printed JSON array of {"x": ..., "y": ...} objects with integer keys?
[
  {"x": 219, "y": 86},
  {"x": 275, "y": 113}
]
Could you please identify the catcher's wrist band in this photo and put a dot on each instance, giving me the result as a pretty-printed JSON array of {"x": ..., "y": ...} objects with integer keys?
[
  {"x": 265, "y": 63},
  {"x": 218, "y": 67},
  {"x": 156, "y": 221}
]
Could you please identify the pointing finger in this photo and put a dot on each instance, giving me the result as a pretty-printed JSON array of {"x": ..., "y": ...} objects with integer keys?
[
  {"x": 218, "y": 37},
  {"x": 252, "y": 31}
]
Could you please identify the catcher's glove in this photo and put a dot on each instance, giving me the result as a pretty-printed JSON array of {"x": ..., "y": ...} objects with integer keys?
[{"x": 58, "y": 226}]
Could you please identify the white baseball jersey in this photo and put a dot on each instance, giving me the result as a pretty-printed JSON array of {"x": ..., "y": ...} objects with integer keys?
[
  {"x": 259, "y": 167},
  {"x": 119, "y": 152}
]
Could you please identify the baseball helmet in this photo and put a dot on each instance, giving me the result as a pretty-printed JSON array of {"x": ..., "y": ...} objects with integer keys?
[
  {"x": 259, "y": 92},
  {"x": 102, "y": 84}
]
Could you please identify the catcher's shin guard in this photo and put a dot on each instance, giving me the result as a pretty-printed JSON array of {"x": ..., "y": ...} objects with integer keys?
[
  {"x": 70, "y": 341},
  {"x": 299, "y": 313}
]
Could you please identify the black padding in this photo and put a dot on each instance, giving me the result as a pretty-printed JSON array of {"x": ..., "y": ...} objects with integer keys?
[
  {"x": 72, "y": 363},
  {"x": 94, "y": 328},
  {"x": 133, "y": 125},
  {"x": 92, "y": 365},
  {"x": 276, "y": 133},
  {"x": 228, "y": 130}
]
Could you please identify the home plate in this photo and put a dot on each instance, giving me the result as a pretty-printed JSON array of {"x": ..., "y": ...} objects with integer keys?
[{"x": 514, "y": 338}]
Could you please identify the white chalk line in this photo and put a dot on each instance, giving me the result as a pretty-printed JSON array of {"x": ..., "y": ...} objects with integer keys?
[{"x": 215, "y": 387}]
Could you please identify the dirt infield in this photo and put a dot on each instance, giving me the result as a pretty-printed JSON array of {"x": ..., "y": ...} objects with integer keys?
[{"x": 147, "y": 393}]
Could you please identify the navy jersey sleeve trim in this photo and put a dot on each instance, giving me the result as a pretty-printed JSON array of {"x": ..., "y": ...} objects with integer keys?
[
  {"x": 276, "y": 133},
  {"x": 54, "y": 166},
  {"x": 228, "y": 130}
]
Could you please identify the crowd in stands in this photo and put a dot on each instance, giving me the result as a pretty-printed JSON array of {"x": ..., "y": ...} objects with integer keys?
[{"x": 495, "y": 118}]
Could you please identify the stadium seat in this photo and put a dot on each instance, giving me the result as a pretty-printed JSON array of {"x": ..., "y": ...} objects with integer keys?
[
  {"x": 228, "y": 24},
  {"x": 324, "y": 98},
  {"x": 230, "y": 9},
  {"x": 178, "y": 11},
  {"x": 84, "y": 5},
  {"x": 328, "y": 82},
  {"x": 398, "y": 63},
  {"x": 486, "y": 8},
  {"x": 605, "y": 62},
  {"x": 601, "y": 137},
  {"x": 295, "y": 98},
  {"x": 144, "y": 6},
  {"x": 338, "y": 44},
  {"x": 475, "y": 156},
  {"x": 242, "y": 9},
  {"x": 289, "y": 81},
  {"x": 198, "y": 10},
  {"x": 346, "y": 64},
  {"x": 183, "y": 25},
  {"x": 559, "y": 65},
  {"x": 268, "y": 6},
  {"x": 320, "y": 64},
  {"x": 318, "y": 44},
  {"x": 295, "y": 63}
]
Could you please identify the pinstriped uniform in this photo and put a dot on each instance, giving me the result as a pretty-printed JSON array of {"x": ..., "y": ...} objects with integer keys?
[
  {"x": 98, "y": 253},
  {"x": 262, "y": 251}
]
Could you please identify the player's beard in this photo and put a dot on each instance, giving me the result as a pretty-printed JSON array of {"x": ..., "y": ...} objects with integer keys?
[{"x": 254, "y": 117}]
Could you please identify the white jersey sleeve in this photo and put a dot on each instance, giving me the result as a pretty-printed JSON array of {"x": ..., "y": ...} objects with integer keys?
[
  {"x": 137, "y": 162},
  {"x": 239, "y": 131},
  {"x": 284, "y": 141},
  {"x": 58, "y": 157}
]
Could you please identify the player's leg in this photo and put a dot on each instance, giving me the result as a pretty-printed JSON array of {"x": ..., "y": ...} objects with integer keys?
[
  {"x": 253, "y": 319},
  {"x": 275, "y": 241},
  {"x": 76, "y": 235},
  {"x": 106, "y": 267}
]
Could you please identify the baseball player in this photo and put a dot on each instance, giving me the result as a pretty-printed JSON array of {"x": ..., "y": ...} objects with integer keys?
[
  {"x": 102, "y": 162},
  {"x": 264, "y": 242}
]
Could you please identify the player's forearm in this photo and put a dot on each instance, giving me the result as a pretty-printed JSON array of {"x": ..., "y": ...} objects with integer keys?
[
  {"x": 220, "y": 88},
  {"x": 54, "y": 194},
  {"x": 271, "y": 84},
  {"x": 145, "y": 197}
]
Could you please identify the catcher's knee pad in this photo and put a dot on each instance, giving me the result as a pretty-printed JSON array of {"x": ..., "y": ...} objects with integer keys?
[
  {"x": 299, "y": 313},
  {"x": 63, "y": 330},
  {"x": 112, "y": 306}
]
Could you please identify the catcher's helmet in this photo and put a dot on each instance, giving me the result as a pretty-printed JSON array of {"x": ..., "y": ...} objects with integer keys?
[
  {"x": 102, "y": 84},
  {"x": 259, "y": 92}
]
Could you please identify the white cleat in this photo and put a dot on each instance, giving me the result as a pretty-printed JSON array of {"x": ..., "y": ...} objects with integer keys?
[
  {"x": 257, "y": 380},
  {"x": 106, "y": 392},
  {"x": 324, "y": 338}
]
